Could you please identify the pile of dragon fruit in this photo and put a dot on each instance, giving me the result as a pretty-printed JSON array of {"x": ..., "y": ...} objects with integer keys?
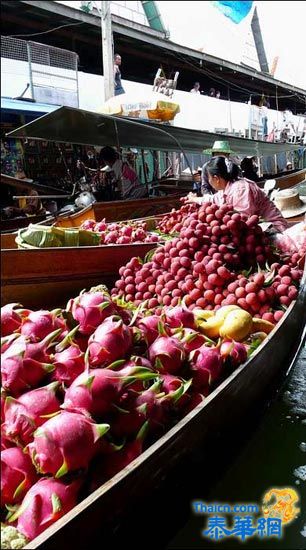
[
  {"x": 121, "y": 232},
  {"x": 216, "y": 257},
  {"x": 85, "y": 389}
]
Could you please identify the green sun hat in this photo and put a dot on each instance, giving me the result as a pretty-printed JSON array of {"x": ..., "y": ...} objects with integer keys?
[{"x": 219, "y": 147}]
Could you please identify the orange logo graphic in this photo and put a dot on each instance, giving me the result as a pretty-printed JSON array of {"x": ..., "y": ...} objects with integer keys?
[{"x": 280, "y": 503}]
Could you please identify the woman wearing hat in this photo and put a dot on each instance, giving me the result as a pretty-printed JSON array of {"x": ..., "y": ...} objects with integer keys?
[
  {"x": 221, "y": 149},
  {"x": 241, "y": 194}
]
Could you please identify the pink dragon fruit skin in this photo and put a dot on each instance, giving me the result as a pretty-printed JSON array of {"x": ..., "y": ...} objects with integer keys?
[
  {"x": 90, "y": 309},
  {"x": 7, "y": 341},
  {"x": 68, "y": 364},
  {"x": 151, "y": 327},
  {"x": 168, "y": 354},
  {"x": 28, "y": 412},
  {"x": 147, "y": 406},
  {"x": 96, "y": 391},
  {"x": 206, "y": 366},
  {"x": 6, "y": 443},
  {"x": 45, "y": 502},
  {"x": 111, "y": 341},
  {"x": 65, "y": 443},
  {"x": 10, "y": 319},
  {"x": 88, "y": 225},
  {"x": 191, "y": 339},
  {"x": 235, "y": 351},
  {"x": 179, "y": 316},
  {"x": 24, "y": 364},
  {"x": 17, "y": 475},
  {"x": 38, "y": 324}
]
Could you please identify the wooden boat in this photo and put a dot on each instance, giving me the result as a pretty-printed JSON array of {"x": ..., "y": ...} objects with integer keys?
[
  {"x": 234, "y": 397},
  {"x": 291, "y": 179},
  {"x": 23, "y": 185},
  {"x": 14, "y": 224},
  {"x": 62, "y": 272},
  {"x": 121, "y": 210}
]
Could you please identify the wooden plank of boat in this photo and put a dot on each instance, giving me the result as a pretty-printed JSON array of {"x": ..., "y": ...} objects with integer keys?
[
  {"x": 121, "y": 210},
  {"x": 289, "y": 180},
  {"x": 14, "y": 224},
  {"x": 231, "y": 399},
  {"x": 28, "y": 184},
  {"x": 35, "y": 276}
]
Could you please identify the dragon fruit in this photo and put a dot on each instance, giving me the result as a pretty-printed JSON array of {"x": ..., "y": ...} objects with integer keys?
[
  {"x": 113, "y": 463},
  {"x": 68, "y": 359},
  {"x": 10, "y": 319},
  {"x": 17, "y": 475},
  {"x": 28, "y": 412},
  {"x": 191, "y": 339},
  {"x": 45, "y": 502},
  {"x": 151, "y": 326},
  {"x": 179, "y": 316},
  {"x": 90, "y": 309},
  {"x": 167, "y": 354},
  {"x": 25, "y": 364},
  {"x": 6, "y": 341},
  {"x": 65, "y": 443},
  {"x": 234, "y": 351},
  {"x": 206, "y": 366},
  {"x": 38, "y": 324},
  {"x": 98, "y": 390},
  {"x": 6, "y": 443},
  {"x": 88, "y": 225},
  {"x": 151, "y": 405},
  {"x": 126, "y": 369},
  {"x": 111, "y": 341}
]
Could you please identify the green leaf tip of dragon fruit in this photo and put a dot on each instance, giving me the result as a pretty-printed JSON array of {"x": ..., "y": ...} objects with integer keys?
[
  {"x": 62, "y": 471},
  {"x": 102, "y": 429},
  {"x": 56, "y": 503},
  {"x": 68, "y": 340}
]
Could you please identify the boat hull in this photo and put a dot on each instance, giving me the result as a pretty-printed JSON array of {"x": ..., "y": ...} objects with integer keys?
[
  {"x": 121, "y": 210},
  {"x": 234, "y": 397},
  {"x": 37, "y": 276}
]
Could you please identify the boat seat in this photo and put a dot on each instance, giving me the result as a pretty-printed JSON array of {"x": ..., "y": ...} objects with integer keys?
[{"x": 269, "y": 186}]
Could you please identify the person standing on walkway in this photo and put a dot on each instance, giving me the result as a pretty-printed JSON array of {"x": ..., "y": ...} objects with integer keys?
[
  {"x": 196, "y": 88},
  {"x": 118, "y": 88}
]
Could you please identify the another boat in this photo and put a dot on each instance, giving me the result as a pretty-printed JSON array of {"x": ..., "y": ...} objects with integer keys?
[
  {"x": 118, "y": 210},
  {"x": 234, "y": 397},
  {"x": 23, "y": 185},
  {"x": 36, "y": 275},
  {"x": 121, "y": 210}
]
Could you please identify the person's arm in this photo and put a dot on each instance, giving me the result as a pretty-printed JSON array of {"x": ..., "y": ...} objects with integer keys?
[{"x": 192, "y": 197}]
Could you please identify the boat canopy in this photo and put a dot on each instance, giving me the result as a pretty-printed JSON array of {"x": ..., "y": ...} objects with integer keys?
[{"x": 76, "y": 126}]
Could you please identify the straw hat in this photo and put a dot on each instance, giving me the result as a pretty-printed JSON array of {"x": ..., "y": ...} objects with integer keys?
[
  {"x": 219, "y": 147},
  {"x": 290, "y": 203}
]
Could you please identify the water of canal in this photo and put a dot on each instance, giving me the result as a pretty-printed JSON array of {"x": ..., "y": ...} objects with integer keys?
[
  {"x": 274, "y": 455},
  {"x": 265, "y": 449}
]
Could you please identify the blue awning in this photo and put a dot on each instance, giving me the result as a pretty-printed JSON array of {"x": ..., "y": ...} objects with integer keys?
[{"x": 20, "y": 106}]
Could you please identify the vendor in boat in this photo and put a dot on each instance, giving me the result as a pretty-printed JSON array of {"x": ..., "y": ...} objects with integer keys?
[
  {"x": 240, "y": 193},
  {"x": 125, "y": 181},
  {"x": 30, "y": 205},
  {"x": 219, "y": 149}
]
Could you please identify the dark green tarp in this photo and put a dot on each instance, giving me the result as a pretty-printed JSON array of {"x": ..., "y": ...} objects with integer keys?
[{"x": 71, "y": 125}]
